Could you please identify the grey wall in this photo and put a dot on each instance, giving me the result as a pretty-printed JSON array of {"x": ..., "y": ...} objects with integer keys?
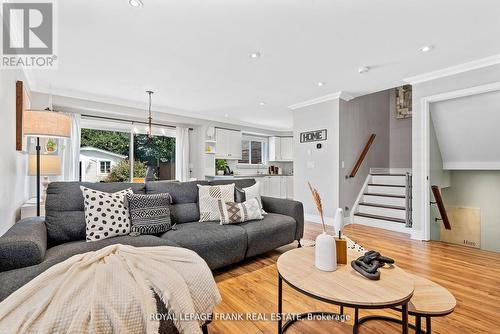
[
  {"x": 400, "y": 136},
  {"x": 318, "y": 166},
  {"x": 438, "y": 176},
  {"x": 479, "y": 189},
  {"x": 13, "y": 166},
  {"x": 359, "y": 118}
]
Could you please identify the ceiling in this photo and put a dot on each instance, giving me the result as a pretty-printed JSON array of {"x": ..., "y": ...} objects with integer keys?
[
  {"x": 195, "y": 53},
  {"x": 467, "y": 131}
]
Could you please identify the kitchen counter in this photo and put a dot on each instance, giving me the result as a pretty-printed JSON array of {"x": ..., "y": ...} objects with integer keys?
[{"x": 240, "y": 176}]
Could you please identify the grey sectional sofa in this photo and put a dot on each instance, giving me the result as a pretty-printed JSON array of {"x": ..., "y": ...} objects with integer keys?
[{"x": 35, "y": 244}]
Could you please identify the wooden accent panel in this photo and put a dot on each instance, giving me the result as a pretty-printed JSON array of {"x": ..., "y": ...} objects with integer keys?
[
  {"x": 362, "y": 156},
  {"x": 466, "y": 227},
  {"x": 441, "y": 207},
  {"x": 471, "y": 275},
  {"x": 19, "y": 115}
]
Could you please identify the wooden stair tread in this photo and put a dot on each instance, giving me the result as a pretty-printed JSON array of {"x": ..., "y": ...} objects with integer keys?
[
  {"x": 385, "y": 185},
  {"x": 385, "y": 206},
  {"x": 367, "y": 215},
  {"x": 384, "y": 195}
]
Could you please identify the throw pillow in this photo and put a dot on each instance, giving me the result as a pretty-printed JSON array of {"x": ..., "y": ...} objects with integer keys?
[
  {"x": 209, "y": 197},
  {"x": 254, "y": 192},
  {"x": 106, "y": 215},
  {"x": 149, "y": 214},
  {"x": 233, "y": 213}
]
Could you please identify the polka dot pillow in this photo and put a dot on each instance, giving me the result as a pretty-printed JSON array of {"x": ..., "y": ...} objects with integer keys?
[{"x": 106, "y": 215}]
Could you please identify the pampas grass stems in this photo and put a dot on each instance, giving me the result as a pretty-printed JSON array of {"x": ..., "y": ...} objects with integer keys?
[{"x": 317, "y": 201}]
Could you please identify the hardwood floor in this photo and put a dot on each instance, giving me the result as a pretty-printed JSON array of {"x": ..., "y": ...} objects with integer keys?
[{"x": 473, "y": 276}]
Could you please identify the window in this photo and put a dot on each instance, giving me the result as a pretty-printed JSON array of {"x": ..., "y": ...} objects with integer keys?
[
  {"x": 253, "y": 151},
  {"x": 105, "y": 167},
  {"x": 110, "y": 150}
]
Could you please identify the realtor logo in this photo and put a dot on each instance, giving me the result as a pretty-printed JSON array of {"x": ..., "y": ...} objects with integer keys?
[{"x": 28, "y": 35}]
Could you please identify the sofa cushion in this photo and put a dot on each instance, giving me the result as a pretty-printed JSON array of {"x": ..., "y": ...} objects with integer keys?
[
  {"x": 69, "y": 249},
  {"x": 184, "y": 195},
  {"x": 64, "y": 216},
  {"x": 219, "y": 245},
  {"x": 273, "y": 231}
]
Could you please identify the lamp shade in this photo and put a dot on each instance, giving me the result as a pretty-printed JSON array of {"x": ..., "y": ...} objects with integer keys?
[
  {"x": 50, "y": 165},
  {"x": 46, "y": 124}
]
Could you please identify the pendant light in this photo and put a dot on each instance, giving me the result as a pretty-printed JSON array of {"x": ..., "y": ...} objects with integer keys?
[{"x": 150, "y": 118}]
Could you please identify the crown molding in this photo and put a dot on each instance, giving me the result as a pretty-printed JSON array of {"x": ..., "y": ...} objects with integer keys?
[
  {"x": 333, "y": 96},
  {"x": 77, "y": 100},
  {"x": 448, "y": 71}
]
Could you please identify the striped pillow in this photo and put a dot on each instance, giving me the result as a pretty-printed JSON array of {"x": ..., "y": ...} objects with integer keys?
[{"x": 149, "y": 214}]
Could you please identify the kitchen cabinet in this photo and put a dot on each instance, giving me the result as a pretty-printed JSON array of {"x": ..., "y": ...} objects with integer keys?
[
  {"x": 276, "y": 186},
  {"x": 280, "y": 148},
  {"x": 286, "y": 148},
  {"x": 228, "y": 144}
]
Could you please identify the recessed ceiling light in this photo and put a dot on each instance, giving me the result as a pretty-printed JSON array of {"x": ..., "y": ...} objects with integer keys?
[
  {"x": 320, "y": 84},
  {"x": 226, "y": 115},
  {"x": 426, "y": 48},
  {"x": 135, "y": 3},
  {"x": 262, "y": 103},
  {"x": 255, "y": 55},
  {"x": 363, "y": 69}
]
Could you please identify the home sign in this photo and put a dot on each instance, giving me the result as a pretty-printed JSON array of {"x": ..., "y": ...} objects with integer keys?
[{"x": 310, "y": 136}]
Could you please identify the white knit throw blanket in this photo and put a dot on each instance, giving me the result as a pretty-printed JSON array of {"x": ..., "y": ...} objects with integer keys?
[{"x": 110, "y": 291}]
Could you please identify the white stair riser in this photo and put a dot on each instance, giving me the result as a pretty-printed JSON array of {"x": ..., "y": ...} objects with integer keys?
[
  {"x": 373, "y": 210},
  {"x": 386, "y": 190},
  {"x": 384, "y": 200},
  {"x": 385, "y": 224},
  {"x": 386, "y": 179}
]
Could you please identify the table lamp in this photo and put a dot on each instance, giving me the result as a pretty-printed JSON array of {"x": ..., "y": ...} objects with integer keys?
[
  {"x": 50, "y": 165},
  {"x": 49, "y": 124}
]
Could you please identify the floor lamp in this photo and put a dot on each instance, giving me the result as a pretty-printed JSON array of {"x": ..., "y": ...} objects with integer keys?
[{"x": 49, "y": 124}]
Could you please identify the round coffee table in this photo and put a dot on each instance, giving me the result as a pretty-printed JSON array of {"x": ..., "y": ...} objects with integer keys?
[
  {"x": 429, "y": 300},
  {"x": 344, "y": 286}
]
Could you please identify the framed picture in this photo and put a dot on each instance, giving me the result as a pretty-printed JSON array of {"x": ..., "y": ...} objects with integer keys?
[{"x": 403, "y": 102}]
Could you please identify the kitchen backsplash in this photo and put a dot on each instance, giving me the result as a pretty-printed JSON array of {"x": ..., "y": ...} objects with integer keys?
[{"x": 286, "y": 167}]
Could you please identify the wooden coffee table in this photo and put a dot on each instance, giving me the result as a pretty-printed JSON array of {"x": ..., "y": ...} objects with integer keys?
[
  {"x": 344, "y": 287},
  {"x": 429, "y": 300}
]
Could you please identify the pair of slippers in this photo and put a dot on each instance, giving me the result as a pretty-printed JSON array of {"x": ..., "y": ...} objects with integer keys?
[{"x": 368, "y": 264}]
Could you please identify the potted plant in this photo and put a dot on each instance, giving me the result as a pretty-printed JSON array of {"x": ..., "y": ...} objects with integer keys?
[{"x": 220, "y": 166}]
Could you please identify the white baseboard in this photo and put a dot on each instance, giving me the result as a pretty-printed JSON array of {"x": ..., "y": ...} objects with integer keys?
[
  {"x": 418, "y": 235},
  {"x": 328, "y": 220},
  {"x": 317, "y": 219}
]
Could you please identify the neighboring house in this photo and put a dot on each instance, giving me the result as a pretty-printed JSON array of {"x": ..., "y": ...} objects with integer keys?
[{"x": 96, "y": 164}]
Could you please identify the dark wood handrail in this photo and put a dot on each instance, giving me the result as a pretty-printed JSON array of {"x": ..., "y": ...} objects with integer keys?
[
  {"x": 362, "y": 156},
  {"x": 441, "y": 208}
]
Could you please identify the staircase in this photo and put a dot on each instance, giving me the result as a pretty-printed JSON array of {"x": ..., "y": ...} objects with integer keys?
[{"x": 385, "y": 202}]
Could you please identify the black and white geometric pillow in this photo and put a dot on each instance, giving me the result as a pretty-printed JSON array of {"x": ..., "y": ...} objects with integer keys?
[
  {"x": 149, "y": 214},
  {"x": 106, "y": 215}
]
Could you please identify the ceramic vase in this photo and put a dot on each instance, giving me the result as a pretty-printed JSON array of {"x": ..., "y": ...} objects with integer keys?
[{"x": 325, "y": 252}]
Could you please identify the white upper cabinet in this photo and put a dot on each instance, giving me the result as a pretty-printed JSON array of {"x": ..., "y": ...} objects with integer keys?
[
  {"x": 287, "y": 148},
  {"x": 280, "y": 148},
  {"x": 228, "y": 144}
]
